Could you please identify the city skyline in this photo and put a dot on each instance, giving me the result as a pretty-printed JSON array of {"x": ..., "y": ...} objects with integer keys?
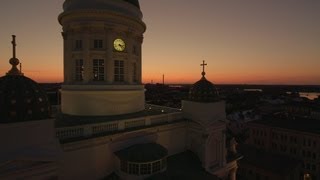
[{"x": 243, "y": 42}]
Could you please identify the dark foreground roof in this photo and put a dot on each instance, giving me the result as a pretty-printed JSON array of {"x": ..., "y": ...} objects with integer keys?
[{"x": 186, "y": 166}]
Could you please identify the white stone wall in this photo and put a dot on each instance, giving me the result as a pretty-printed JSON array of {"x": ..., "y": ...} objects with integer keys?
[
  {"x": 173, "y": 138},
  {"x": 101, "y": 103},
  {"x": 207, "y": 138},
  {"x": 204, "y": 113}
]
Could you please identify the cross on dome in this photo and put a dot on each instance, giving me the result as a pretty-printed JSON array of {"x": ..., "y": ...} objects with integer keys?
[{"x": 203, "y": 68}]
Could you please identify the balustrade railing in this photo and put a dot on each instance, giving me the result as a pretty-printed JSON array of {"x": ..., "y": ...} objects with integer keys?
[{"x": 168, "y": 115}]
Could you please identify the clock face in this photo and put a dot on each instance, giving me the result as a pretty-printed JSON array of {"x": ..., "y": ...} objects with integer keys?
[{"x": 119, "y": 45}]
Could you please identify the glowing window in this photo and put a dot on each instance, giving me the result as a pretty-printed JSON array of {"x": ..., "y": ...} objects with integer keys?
[{"x": 98, "y": 70}]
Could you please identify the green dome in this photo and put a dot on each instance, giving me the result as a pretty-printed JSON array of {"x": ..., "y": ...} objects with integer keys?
[
  {"x": 22, "y": 99},
  {"x": 203, "y": 91}
]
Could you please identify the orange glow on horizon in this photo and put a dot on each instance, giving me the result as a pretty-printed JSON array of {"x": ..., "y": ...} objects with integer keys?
[{"x": 269, "y": 42}]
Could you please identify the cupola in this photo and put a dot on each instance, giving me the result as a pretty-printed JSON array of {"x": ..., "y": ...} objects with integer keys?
[{"x": 21, "y": 98}]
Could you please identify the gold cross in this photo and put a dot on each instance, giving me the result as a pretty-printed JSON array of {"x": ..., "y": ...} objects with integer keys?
[{"x": 203, "y": 66}]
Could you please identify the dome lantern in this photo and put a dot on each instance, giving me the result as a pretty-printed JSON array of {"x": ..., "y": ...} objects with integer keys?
[{"x": 14, "y": 61}]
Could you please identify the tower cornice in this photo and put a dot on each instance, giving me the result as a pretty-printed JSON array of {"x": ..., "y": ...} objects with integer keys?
[{"x": 94, "y": 14}]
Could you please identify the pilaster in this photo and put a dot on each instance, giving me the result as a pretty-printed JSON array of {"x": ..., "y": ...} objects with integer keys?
[
  {"x": 109, "y": 60},
  {"x": 129, "y": 73},
  {"x": 86, "y": 58}
]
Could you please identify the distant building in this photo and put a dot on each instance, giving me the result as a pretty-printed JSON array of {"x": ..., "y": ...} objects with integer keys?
[
  {"x": 258, "y": 164},
  {"x": 105, "y": 129},
  {"x": 295, "y": 137}
]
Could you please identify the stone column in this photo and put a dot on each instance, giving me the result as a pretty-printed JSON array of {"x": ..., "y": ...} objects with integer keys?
[
  {"x": 68, "y": 58},
  {"x": 128, "y": 62},
  {"x": 87, "y": 74},
  {"x": 139, "y": 62},
  {"x": 65, "y": 56}
]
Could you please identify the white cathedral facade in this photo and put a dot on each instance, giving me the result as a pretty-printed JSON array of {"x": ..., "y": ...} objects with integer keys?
[{"x": 104, "y": 129}]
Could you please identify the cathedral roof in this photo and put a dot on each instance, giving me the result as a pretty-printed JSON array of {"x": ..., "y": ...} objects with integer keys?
[
  {"x": 133, "y": 2},
  {"x": 21, "y": 99},
  {"x": 143, "y": 153},
  {"x": 203, "y": 90}
]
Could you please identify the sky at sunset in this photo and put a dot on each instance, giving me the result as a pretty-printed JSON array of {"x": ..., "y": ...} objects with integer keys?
[{"x": 243, "y": 42}]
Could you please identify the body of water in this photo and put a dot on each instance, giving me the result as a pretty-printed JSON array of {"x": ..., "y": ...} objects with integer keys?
[{"x": 309, "y": 95}]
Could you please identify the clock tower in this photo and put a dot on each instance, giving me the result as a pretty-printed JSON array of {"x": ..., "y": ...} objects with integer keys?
[{"x": 102, "y": 57}]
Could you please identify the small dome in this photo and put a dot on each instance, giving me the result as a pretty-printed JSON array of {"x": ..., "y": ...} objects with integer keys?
[
  {"x": 203, "y": 91},
  {"x": 143, "y": 153},
  {"x": 21, "y": 99}
]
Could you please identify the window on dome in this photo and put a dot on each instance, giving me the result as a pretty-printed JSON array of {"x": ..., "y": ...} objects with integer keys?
[
  {"x": 124, "y": 166},
  {"x": 133, "y": 168},
  {"x": 156, "y": 167},
  {"x": 98, "y": 69},
  {"x": 164, "y": 163},
  {"x": 118, "y": 71},
  {"x": 98, "y": 44},
  {"x": 78, "y": 44},
  {"x": 79, "y": 69},
  {"x": 145, "y": 169}
]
